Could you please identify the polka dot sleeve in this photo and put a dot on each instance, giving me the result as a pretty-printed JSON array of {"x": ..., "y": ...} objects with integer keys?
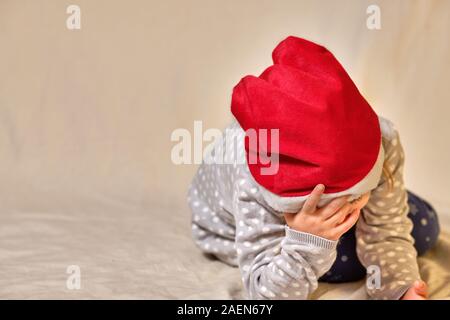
[
  {"x": 276, "y": 262},
  {"x": 384, "y": 241}
]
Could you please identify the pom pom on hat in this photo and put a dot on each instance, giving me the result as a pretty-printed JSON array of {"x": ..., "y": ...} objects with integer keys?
[{"x": 328, "y": 133}]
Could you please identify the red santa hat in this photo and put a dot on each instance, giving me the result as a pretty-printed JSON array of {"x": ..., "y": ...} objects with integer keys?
[{"x": 328, "y": 133}]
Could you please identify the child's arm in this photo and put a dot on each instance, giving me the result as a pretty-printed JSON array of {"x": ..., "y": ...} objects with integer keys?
[
  {"x": 383, "y": 231},
  {"x": 277, "y": 262}
]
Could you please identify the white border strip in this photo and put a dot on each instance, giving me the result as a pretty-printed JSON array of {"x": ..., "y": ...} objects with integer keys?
[{"x": 294, "y": 204}]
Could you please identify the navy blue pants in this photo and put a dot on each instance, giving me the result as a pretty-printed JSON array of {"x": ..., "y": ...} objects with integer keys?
[{"x": 347, "y": 266}]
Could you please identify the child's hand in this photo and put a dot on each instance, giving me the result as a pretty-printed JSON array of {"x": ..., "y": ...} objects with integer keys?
[
  {"x": 418, "y": 291},
  {"x": 330, "y": 221}
]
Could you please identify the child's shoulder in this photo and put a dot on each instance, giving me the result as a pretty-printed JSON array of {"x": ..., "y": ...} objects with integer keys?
[
  {"x": 392, "y": 146},
  {"x": 388, "y": 130}
]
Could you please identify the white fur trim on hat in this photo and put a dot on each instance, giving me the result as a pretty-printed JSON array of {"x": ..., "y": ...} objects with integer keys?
[{"x": 294, "y": 204}]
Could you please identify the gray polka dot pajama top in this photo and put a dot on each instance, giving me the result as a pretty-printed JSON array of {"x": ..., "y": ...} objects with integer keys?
[{"x": 231, "y": 220}]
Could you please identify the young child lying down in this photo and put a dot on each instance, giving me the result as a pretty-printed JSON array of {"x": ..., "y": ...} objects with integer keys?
[{"x": 336, "y": 204}]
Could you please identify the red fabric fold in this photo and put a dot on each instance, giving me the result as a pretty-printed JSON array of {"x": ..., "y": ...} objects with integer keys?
[{"x": 328, "y": 133}]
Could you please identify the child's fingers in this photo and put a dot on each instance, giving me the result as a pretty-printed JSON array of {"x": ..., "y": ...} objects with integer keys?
[
  {"x": 349, "y": 222},
  {"x": 339, "y": 216},
  {"x": 333, "y": 207},
  {"x": 311, "y": 202},
  {"x": 421, "y": 288}
]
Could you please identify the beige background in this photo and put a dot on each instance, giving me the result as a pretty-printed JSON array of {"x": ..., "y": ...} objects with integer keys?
[{"x": 86, "y": 118}]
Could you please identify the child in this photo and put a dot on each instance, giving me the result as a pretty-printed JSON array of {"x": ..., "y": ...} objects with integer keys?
[{"x": 336, "y": 204}]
